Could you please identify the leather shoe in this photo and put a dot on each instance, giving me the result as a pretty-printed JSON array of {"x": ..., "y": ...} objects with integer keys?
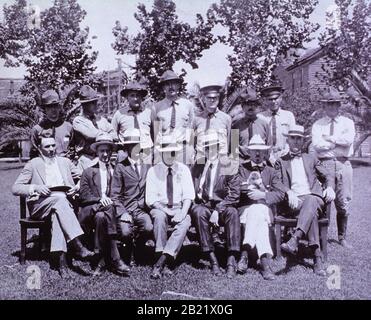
[
  {"x": 166, "y": 272},
  {"x": 156, "y": 272},
  {"x": 119, "y": 267},
  {"x": 242, "y": 265},
  {"x": 318, "y": 267},
  {"x": 83, "y": 254},
  {"x": 216, "y": 239},
  {"x": 266, "y": 268},
  {"x": 231, "y": 271},
  {"x": 64, "y": 272},
  {"x": 290, "y": 246},
  {"x": 99, "y": 268},
  {"x": 215, "y": 269},
  {"x": 345, "y": 244}
]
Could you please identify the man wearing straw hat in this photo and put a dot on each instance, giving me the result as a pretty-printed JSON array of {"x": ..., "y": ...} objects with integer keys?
[
  {"x": 214, "y": 204},
  {"x": 174, "y": 115},
  {"x": 260, "y": 188},
  {"x": 88, "y": 125},
  {"x": 52, "y": 124},
  {"x": 97, "y": 210},
  {"x": 332, "y": 138},
  {"x": 211, "y": 119},
  {"x": 128, "y": 193},
  {"x": 135, "y": 115},
  {"x": 307, "y": 185},
  {"x": 169, "y": 194}
]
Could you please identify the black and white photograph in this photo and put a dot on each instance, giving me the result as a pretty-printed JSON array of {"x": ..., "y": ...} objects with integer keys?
[{"x": 193, "y": 151}]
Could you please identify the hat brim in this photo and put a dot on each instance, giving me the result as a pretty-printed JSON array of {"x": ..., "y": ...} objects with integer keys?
[
  {"x": 268, "y": 90},
  {"x": 326, "y": 100},
  {"x": 210, "y": 144},
  {"x": 89, "y": 100},
  {"x": 211, "y": 88},
  {"x": 295, "y": 135},
  {"x": 171, "y": 79},
  {"x": 125, "y": 92},
  {"x": 125, "y": 143},
  {"x": 95, "y": 145},
  {"x": 258, "y": 147},
  {"x": 56, "y": 103},
  {"x": 169, "y": 149}
]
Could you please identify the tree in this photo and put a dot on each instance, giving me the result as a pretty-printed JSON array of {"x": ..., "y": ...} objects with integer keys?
[
  {"x": 163, "y": 41},
  {"x": 261, "y": 33},
  {"x": 347, "y": 49}
]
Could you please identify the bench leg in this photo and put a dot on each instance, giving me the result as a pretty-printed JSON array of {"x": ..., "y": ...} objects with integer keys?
[
  {"x": 22, "y": 256},
  {"x": 277, "y": 229},
  {"x": 323, "y": 237}
]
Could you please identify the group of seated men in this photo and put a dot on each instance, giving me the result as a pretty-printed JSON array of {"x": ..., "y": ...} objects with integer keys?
[{"x": 161, "y": 182}]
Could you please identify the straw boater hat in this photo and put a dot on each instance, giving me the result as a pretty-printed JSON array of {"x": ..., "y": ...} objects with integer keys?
[
  {"x": 169, "y": 75},
  {"x": 257, "y": 143},
  {"x": 102, "y": 138},
  {"x": 50, "y": 98},
  {"x": 168, "y": 143},
  {"x": 209, "y": 140},
  {"x": 88, "y": 94},
  {"x": 131, "y": 136},
  {"x": 296, "y": 130},
  {"x": 134, "y": 86}
]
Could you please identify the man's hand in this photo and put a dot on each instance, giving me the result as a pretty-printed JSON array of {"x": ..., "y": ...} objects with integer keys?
[
  {"x": 73, "y": 190},
  {"x": 329, "y": 138},
  {"x": 214, "y": 218},
  {"x": 178, "y": 217},
  {"x": 42, "y": 190},
  {"x": 329, "y": 194},
  {"x": 256, "y": 194},
  {"x": 105, "y": 201},
  {"x": 293, "y": 199},
  {"x": 126, "y": 217}
]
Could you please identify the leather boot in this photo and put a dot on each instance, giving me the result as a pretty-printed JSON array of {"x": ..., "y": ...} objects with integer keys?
[
  {"x": 266, "y": 270},
  {"x": 242, "y": 264},
  {"x": 231, "y": 266},
  {"x": 290, "y": 246},
  {"x": 318, "y": 267},
  {"x": 215, "y": 268},
  {"x": 342, "y": 224}
]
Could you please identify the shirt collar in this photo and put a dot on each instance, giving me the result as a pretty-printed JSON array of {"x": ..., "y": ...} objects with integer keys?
[
  {"x": 336, "y": 119},
  {"x": 102, "y": 165},
  {"x": 48, "y": 160},
  {"x": 278, "y": 112},
  {"x": 132, "y": 162},
  {"x": 174, "y": 166},
  {"x": 207, "y": 114}
]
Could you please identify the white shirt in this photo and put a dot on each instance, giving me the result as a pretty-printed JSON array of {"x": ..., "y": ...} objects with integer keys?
[
  {"x": 53, "y": 175},
  {"x": 285, "y": 120},
  {"x": 212, "y": 176},
  {"x": 183, "y": 188},
  {"x": 103, "y": 176},
  {"x": 138, "y": 163},
  {"x": 344, "y": 134},
  {"x": 299, "y": 183}
]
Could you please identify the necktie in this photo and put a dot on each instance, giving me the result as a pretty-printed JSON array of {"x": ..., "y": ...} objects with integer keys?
[
  {"x": 94, "y": 120},
  {"x": 173, "y": 116},
  {"x": 109, "y": 177},
  {"x": 332, "y": 127},
  {"x": 207, "y": 184},
  {"x": 250, "y": 131},
  {"x": 136, "y": 123},
  {"x": 274, "y": 128},
  {"x": 208, "y": 119},
  {"x": 169, "y": 188},
  {"x": 136, "y": 169}
]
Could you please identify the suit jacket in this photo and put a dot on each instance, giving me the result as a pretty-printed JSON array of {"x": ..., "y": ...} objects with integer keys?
[
  {"x": 34, "y": 174},
  {"x": 128, "y": 189},
  {"x": 271, "y": 181},
  {"x": 90, "y": 186},
  {"x": 225, "y": 192},
  {"x": 318, "y": 176}
]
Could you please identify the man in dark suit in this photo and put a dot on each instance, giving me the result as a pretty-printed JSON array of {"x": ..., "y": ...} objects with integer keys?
[
  {"x": 307, "y": 184},
  {"x": 260, "y": 188},
  {"x": 128, "y": 192},
  {"x": 214, "y": 200},
  {"x": 97, "y": 210}
]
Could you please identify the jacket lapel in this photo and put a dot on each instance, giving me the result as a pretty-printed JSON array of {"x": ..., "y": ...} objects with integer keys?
[
  {"x": 40, "y": 168},
  {"x": 96, "y": 179},
  {"x": 62, "y": 170},
  {"x": 307, "y": 169}
]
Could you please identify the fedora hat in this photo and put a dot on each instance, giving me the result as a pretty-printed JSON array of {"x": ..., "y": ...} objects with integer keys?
[
  {"x": 169, "y": 75},
  {"x": 88, "y": 94},
  {"x": 209, "y": 140},
  {"x": 49, "y": 98},
  {"x": 134, "y": 86},
  {"x": 331, "y": 95},
  {"x": 257, "y": 143},
  {"x": 296, "y": 130},
  {"x": 168, "y": 143},
  {"x": 102, "y": 138}
]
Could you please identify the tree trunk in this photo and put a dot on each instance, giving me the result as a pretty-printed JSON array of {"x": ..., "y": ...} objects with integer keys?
[{"x": 360, "y": 140}]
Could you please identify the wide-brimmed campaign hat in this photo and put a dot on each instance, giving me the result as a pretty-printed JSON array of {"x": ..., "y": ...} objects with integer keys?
[
  {"x": 331, "y": 95},
  {"x": 87, "y": 94},
  {"x": 168, "y": 143},
  {"x": 136, "y": 87},
  {"x": 257, "y": 143},
  {"x": 102, "y": 138},
  {"x": 169, "y": 75},
  {"x": 50, "y": 98},
  {"x": 296, "y": 130},
  {"x": 209, "y": 140}
]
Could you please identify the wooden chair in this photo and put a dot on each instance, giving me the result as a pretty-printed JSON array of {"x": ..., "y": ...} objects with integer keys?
[
  {"x": 324, "y": 222},
  {"x": 27, "y": 223}
]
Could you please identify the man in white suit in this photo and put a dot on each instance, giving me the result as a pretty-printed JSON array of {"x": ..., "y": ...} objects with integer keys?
[{"x": 47, "y": 181}]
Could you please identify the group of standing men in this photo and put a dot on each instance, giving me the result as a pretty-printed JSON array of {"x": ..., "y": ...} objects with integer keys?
[{"x": 177, "y": 166}]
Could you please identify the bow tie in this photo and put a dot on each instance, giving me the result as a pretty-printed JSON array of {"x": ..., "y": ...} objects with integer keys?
[
  {"x": 295, "y": 155},
  {"x": 258, "y": 167}
]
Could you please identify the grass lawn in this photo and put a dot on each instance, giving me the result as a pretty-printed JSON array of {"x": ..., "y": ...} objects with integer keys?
[{"x": 293, "y": 281}]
